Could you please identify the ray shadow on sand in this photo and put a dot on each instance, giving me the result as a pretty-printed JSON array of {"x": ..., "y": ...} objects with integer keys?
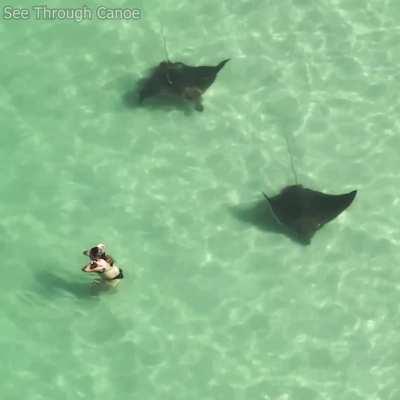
[
  {"x": 51, "y": 284},
  {"x": 167, "y": 103},
  {"x": 259, "y": 214}
]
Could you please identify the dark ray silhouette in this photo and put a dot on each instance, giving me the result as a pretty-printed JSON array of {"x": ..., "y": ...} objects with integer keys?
[
  {"x": 304, "y": 211},
  {"x": 178, "y": 80}
]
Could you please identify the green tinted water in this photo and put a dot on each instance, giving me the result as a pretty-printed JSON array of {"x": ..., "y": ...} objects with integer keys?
[{"x": 214, "y": 305}]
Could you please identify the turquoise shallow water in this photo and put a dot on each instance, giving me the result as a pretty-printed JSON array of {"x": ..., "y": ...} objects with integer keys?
[{"x": 214, "y": 304}]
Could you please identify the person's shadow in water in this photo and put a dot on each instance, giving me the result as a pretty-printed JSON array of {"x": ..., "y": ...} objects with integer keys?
[
  {"x": 131, "y": 98},
  {"x": 52, "y": 284},
  {"x": 260, "y": 215}
]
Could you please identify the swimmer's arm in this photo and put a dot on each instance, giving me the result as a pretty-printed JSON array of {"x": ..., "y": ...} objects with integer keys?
[
  {"x": 109, "y": 259},
  {"x": 90, "y": 268}
]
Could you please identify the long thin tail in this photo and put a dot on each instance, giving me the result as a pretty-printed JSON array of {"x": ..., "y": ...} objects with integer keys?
[
  {"x": 166, "y": 53},
  {"x": 291, "y": 160},
  {"x": 165, "y": 43}
]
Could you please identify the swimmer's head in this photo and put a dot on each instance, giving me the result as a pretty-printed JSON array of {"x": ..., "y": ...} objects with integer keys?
[{"x": 96, "y": 252}]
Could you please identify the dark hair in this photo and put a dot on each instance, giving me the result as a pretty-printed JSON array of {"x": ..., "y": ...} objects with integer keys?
[{"x": 95, "y": 252}]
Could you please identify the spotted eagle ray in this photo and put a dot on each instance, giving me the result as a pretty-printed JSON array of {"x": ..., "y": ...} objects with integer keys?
[
  {"x": 303, "y": 211},
  {"x": 180, "y": 80}
]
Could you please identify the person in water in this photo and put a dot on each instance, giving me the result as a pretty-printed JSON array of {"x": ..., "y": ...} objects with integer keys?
[{"x": 103, "y": 264}]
